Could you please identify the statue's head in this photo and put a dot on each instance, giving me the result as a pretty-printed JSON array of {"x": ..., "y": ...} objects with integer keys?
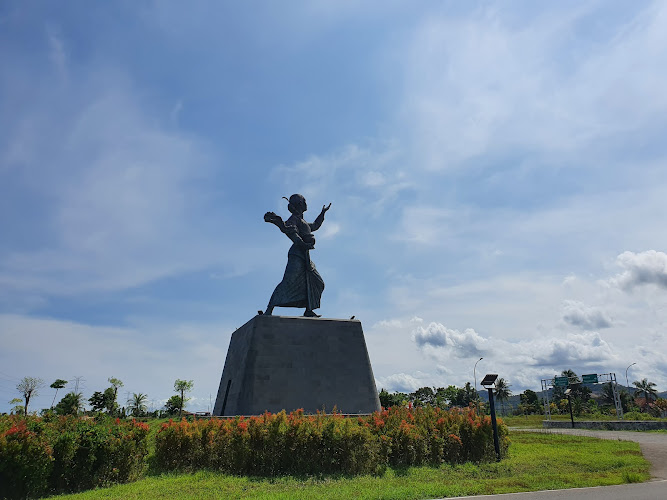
[{"x": 297, "y": 204}]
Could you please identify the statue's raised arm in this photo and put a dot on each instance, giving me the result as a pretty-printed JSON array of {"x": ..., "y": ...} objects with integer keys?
[{"x": 320, "y": 218}]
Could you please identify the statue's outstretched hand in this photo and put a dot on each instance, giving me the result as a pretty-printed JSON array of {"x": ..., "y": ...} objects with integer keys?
[
  {"x": 274, "y": 219},
  {"x": 270, "y": 217},
  {"x": 325, "y": 208}
]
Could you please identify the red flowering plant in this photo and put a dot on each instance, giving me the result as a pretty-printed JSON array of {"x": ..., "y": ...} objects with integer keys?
[
  {"x": 295, "y": 443},
  {"x": 52, "y": 455}
]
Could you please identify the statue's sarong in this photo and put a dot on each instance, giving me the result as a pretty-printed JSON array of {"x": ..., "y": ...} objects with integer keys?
[{"x": 301, "y": 286}]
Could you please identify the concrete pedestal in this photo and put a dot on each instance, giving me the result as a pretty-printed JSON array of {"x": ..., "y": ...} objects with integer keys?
[{"x": 282, "y": 362}]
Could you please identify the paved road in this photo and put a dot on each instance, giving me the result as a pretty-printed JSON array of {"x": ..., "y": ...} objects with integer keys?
[{"x": 654, "y": 448}]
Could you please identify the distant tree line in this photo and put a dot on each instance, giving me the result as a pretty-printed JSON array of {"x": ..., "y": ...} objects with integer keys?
[
  {"x": 101, "y": 402},
  {"x": 584, "y": 402},
  {"x": 443, "y": 397}
]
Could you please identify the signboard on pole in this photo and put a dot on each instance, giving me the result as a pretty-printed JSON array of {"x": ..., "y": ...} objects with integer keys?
[
  {"x": 560, "y": 381},
  {"x": 590, "y": 379}
]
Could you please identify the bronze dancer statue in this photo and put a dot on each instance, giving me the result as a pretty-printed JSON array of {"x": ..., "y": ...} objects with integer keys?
[{"x": 302, "y": 285}]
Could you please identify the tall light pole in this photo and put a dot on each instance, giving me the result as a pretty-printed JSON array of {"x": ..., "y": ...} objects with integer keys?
[
  {"x": 474, "y": 372},
  {"x": 626, "y": 376}
]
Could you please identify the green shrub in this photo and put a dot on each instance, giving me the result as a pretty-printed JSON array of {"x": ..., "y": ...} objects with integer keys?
[
  {"x": 635, "y": 415},
  {"x": 88, "y": 453},
  {"x": 64, "y": 454},
  {"x": 25, "y": 459},
  {"x": 275, "y": 444}
]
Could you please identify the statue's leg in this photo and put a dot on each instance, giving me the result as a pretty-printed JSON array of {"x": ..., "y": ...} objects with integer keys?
[
  {"x": 311, "y": 314},
  {"x": 269, "y": 310}
]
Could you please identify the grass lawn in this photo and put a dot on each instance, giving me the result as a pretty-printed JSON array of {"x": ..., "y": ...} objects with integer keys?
[{"x": 537, "y": 462}]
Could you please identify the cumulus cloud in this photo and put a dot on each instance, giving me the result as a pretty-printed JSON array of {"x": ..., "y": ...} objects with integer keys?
[
  {"x": 587, "y": 318},
  {"x": 573, "y": 349},
  {"x": 401, "y": 382},
  {"x": 463, "y": 344},
  {"x": 645, "y": 268}
]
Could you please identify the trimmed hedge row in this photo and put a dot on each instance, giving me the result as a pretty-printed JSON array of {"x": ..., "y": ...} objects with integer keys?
[
  {"x": 40, "y": 456},
  {"x": 295, "y": 443},
  {"x": 43, "y": 456}
]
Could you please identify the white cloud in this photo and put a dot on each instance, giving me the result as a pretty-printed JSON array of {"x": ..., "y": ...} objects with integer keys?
[
  {"x": 124, "y": 197},
  {"x": 587, "y": 318},
  {"x": 462, "y": 344},
  {"x": 146, "y": 356},
  {"x": 645, "y": 268},
  {"x": 489, "y": 84},
  {"x": 401, "y": 382},
  {"x": 361, "y": 178},
  {"x": 585, "y": 349}
]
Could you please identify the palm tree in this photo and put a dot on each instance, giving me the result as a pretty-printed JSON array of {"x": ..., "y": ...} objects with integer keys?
[
  {"x": 647, "y": 388},
  {"x": 70, "y": 404},
  {"x": 502, "y": 392},
  {"x": 58, "y": 384},
  {"x": 137, "y": 404}
]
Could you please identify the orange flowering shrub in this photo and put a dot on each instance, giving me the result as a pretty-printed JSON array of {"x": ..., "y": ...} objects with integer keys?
[
  {"x": 50, "y": 455},
  {"x": 294, "y": 443},
  {"x": 25, "y": 459},
  {"x": 270, "y": 444}
]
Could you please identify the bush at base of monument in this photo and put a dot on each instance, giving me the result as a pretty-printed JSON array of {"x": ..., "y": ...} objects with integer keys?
[
  {"x": 41, "y": 456},
  {"x": 274, "y": 444}
]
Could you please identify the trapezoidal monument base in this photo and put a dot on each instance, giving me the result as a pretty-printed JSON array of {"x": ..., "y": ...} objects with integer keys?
[{"x": 279, "y": 363}]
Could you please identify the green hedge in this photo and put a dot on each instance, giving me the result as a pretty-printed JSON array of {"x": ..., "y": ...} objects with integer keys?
[
  {"x": 313, "y": 444},
  {"x": 43, "y": 456},
  {"x": 40, "y": 456}
]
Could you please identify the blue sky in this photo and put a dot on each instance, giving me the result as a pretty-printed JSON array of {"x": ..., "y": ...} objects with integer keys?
[{"x": 497, "y": 177}]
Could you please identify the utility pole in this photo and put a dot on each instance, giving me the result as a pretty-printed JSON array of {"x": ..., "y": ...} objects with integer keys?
[{"x": 77, "y": 380}]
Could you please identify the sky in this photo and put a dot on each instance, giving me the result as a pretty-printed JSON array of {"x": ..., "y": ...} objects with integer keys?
[{"x": 497, "y": 175}]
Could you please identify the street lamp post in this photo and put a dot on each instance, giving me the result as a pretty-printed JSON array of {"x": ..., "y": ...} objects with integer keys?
[
  {"x": 626, "y": 376},
  {"x": 488, "y": 381},
  {"x": 474, "y": 372},
  {"x": 569, "y": 403}
]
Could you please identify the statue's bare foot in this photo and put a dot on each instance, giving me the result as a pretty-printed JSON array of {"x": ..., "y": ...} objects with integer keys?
[{"x": 311, "y": 314}]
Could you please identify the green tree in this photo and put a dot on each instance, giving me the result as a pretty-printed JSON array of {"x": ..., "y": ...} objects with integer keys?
[
  {"x": 29, "y": 387},
  {"x": 388, "y": 400},
  {"x": 115, "y": 383},
  {"x": 607, "y": 397},
  {"x": 441, "y": 400},
  {"x": 449, "y": 394},
  {"x": 18, "y": 407},
  {"x": 173, "y": 405},
  {"x": 137, "y": 404},
  {"x": 104, "y": 401},
  {"x": 463, "y": 396},
  {"x": 58, "y": 384},
  {"x": 183, "y": 387},
  {"x": 70, "y": 404},
  {"x": 529, "y": 402},
  {"x": 502, "y": 392},
  {"x": 646, "y": 388},
  {"x": 423, "y": 396},
  {"x": 626, "y": 400},
  {"x": 573, "y": 379}
]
